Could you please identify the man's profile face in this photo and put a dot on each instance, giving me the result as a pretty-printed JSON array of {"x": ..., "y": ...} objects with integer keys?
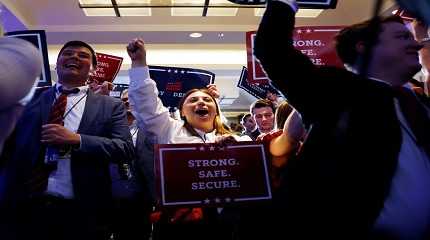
[
  {"x": 396, "y": 50},
  {"x": 264, "y": 117},
  {"x": 271, "y": 96},
  {"x": 74, "y": 62},
  {"x": 249, "y": 124}
]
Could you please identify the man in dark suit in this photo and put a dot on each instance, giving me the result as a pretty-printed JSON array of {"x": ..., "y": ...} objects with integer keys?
[
  {"x": 70, "y": 200},
  {"x": 364, "y": 168}
]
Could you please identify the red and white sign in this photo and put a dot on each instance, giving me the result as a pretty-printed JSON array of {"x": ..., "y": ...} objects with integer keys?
[
  {"x": 316, "y": 42},
  {"x": 211, "y": 175},
  {"x": 108, "y": 67}
]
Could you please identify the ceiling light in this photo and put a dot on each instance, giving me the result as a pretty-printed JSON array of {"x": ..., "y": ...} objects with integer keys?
[
  {"x": 184, "y": 11},
  {"x": 196, "y": 35},
  {"x": 303, "y": 12},
  {"x": 221, "y": 12},
  {"x": 99, "y": 12}
]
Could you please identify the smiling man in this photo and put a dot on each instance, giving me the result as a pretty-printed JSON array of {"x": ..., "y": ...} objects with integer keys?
[
  {"x": 363, "y": 171},
  {"x": 59, "y": 187}
]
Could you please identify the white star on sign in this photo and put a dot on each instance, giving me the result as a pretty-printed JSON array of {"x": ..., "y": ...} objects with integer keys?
[
  {"x": 176, "y": 71},
  {"x": 202, "y": 148},
  {"x": 206, "y": 201},
  {"x": 217, "y": 200},
  {"x": 299, "y": 31},
  {"x": 221, "y": 148},
  {"x": 308, "y": 31},
  {"x": 228, "y": 199},
  {"x": 212, "y": 148}
]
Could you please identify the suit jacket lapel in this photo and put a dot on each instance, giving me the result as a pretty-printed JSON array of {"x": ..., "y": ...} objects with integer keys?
[
  {"x": 90, "y": 112},
  {"x": 46, "y": 103}
]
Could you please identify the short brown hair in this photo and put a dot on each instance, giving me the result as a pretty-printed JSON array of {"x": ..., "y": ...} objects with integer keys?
[
  {"x": 282, "y": 112},
  {"x": 347, "y": 39},
  {"x": 260, "y": 103},
  {"x": 218, "y": 124},
  {"x": 76, "y": 43}
]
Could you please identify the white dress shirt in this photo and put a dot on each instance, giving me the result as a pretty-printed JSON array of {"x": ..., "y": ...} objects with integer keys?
[{"x": 60, "y": 180}]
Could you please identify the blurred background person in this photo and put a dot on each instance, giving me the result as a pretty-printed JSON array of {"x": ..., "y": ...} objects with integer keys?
[
  {"x": 249, "y": 125},
  {"x": 20, "y": 67}
]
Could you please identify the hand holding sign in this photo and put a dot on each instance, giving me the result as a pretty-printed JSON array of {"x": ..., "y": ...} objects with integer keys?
[{"x": 137, "y": 52}]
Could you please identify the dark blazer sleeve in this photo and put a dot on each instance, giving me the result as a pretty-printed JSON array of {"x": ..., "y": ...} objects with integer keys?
[
  {"x": 304, "y": 84},
  {"x": 116, "y": 145}
]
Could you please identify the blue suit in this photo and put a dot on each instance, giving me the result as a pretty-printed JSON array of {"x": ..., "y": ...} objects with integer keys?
[{"x": 104, "y": 135}]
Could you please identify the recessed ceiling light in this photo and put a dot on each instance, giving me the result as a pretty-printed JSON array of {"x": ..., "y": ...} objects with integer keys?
[{"x": 196, "y": 35}]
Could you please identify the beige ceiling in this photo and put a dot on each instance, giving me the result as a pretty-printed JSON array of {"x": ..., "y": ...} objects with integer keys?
[
  {"x": 168, "y": 38},
  {"x": 64, "y": 17}
]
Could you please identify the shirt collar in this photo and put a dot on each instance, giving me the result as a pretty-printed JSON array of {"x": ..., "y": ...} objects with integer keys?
[
  {"x": 206, "y": 136},
  {"x": 82, "y": 89}
]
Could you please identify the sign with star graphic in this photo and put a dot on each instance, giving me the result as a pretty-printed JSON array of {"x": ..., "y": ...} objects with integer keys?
[
  {"x": 174, "y": 82},
  {"x": 258, "y": 90},
  {"x": 316, "y": 42},
  {"x": 108, "y": 67},
  {"x": 211, "y": 174}
]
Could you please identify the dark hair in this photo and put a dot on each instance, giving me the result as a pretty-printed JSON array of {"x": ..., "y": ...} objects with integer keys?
[
  {"x": 347, "y": 39},
  {"x": 218, "y": 124},
  {"x": 244, "y": 117},
  {"x": 80, "y": 44},
  {"x": 260, "y": 103},
  {"x": 282, "y": 112}
]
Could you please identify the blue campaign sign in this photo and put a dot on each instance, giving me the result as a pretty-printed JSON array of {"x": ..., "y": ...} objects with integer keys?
[
  {"x": 173, "y": 82},
  {"x": 316, "y": 4},
  {"x": 38, "y": 39},
  {"x": 258, "y": 90}
]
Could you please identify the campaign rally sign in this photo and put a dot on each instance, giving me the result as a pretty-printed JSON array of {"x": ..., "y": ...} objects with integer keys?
[
  {"x": 211, "y": 175},
  {"x": 118, "y": 89},
  {"x": 108, "y": 67},
  {"x": 38, "y": 39},
  {"x": 258, "y": 90},
  {"x": 316, "y": 4},
  {"x": 173, "y": 82},
  {"x": 316, "y": 42}
]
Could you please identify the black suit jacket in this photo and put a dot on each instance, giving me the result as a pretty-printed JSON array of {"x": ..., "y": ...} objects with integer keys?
[
  {"x": 104, "y": 135},
  {"x": 338, "y": 184}
]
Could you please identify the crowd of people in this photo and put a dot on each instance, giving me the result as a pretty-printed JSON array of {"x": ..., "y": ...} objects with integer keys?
[{"x": 349, "y": 156}]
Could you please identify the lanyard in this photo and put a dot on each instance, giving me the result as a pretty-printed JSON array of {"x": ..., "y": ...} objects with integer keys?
[{"x": 74, "y": 105}]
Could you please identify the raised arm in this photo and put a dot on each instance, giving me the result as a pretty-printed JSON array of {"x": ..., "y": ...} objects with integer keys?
[
  {"x": 151, "y": 115},
  {"x": 289, "y": 141},
  {"x": 292, "y": 72},
  {"x": 421, "y": 35}
]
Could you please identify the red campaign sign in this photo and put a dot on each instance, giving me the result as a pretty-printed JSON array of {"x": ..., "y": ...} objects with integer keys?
[
  {"x": 211, "y": 175},
  {"x": 316, "y": 42},
  {"x": 108, "y": 67}
]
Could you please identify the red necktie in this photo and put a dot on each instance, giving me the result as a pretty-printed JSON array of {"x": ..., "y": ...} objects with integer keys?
[{"x": 40, "y": 173}]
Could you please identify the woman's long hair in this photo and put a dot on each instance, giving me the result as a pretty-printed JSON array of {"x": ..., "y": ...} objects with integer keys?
[
  {"x": 218, "y": 125},
  {"x": 282, "y": 112}
]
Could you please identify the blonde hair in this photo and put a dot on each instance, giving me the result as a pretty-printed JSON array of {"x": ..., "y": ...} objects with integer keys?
[{"x": 218, "y": 125}]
